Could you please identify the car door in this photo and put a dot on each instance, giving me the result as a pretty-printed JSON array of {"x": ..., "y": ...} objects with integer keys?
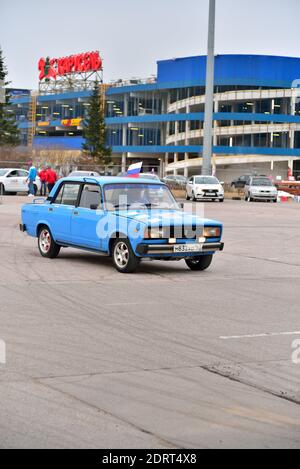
[
  {"x": 11, "y": 181},
  {"x": 61, "y": 209},
  {"x": 87, "y": 218},
  {"x": 22, "y": 176}
]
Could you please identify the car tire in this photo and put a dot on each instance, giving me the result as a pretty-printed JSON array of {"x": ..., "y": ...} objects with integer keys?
[
  {"x": 2, "y": 190},
  {"x": 275, "y": 201},
  {"x": 193, "y": 197},
  {"x": 187, "y": 196},
  {"x": 124, "y": 259},
  {"x": 47, "y": 246},
  {"x": 199, "y": 263},
  {"x": 221, "y": 200}
]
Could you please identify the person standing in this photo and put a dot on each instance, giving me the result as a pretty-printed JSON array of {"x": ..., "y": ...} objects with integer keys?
[
  {"x": 43, "y": 178},
  {"x": 51, "y": 178},
  {"x": 31, "y": 180}
]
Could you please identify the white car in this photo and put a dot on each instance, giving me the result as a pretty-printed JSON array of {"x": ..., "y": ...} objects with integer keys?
[
  {"x": 204, "y": 188},
  {"x": 79, "y": 174},
  {"x": 260, "y": 188},
  {"x": 15, "y": 180}
]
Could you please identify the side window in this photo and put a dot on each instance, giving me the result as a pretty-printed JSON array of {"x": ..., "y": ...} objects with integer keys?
[
  {"x": 91, "y": 197},
  {"x": 13, "y": 174},
  {"x": 22, "y": 173},
  {"x": 68, "y": 194}
]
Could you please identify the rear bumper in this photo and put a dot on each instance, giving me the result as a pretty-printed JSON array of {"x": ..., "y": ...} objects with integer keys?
[{"x": 150, "y": 249}]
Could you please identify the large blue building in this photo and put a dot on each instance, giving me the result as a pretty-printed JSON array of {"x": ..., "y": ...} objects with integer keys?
[{"x": 160, "y": 120}]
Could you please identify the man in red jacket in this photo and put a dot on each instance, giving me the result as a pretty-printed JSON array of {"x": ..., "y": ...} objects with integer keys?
[
  {"x": 51, "y": 178},
  {"x": 43, "y": 177}
]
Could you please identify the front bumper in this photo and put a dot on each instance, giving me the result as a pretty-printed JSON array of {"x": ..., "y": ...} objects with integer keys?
[
  {"x": 264, "y": 196},
  {"x": 150, "y": 249}
]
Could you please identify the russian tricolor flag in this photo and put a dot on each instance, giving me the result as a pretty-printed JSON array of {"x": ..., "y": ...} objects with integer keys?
[{"x": 134, "y": 170}]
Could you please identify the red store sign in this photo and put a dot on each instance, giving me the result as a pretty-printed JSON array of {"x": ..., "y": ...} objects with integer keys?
[{"x": 80, "y": 63}]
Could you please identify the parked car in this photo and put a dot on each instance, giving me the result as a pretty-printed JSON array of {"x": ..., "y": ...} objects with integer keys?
[
  {"x": 176, "y": 180},
  {"x": 204, "y": 188},
  {"x": 141, "y": 176},
  {"x": 260, "y": 188},
  {"x": 240, "y": 182},
  {"x": 13, "y": 181},
  {"x": 84, "y": 174},
  {"x": 127, "y": 220}
]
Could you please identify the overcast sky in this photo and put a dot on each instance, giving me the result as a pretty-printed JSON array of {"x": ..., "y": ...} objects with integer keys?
[{"x": 133, "y": 34}]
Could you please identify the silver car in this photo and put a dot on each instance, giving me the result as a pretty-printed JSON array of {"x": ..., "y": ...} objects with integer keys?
[{"x": 260, "y": 188}]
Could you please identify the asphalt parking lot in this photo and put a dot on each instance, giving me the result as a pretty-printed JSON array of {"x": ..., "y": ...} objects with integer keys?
[{"x": 165, "y": 358}]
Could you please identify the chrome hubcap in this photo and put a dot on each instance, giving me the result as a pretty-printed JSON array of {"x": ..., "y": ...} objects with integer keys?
[
  {"x": 121, "y": 255},
  {"x": 45, "y": 241}
]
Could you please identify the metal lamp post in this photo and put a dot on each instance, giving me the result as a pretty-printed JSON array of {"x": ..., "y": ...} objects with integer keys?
[{"x": 209, "y": 92}]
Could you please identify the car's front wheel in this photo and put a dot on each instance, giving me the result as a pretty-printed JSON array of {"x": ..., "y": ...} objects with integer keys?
[
  {"x": 47, "y": 246},
  {"x": 124, "y": 259},
  {"x": 199, "y": 263},
  {"x": 187, "y": 196}
]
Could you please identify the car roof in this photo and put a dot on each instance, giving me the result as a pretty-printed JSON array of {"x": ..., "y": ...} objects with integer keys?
[
  {"x": 111, "y": 180},
  {"x": 13, "y": 169}
]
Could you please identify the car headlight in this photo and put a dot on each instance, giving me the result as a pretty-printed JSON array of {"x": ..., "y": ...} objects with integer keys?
[
  {"x": 154, "y": 233},
  {"x": 212, "y": 232}
]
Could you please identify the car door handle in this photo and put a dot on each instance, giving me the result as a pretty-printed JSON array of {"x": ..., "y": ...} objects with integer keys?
[
  {"x": 76, "y": 212},
  {"x": 50, "y": 209}
]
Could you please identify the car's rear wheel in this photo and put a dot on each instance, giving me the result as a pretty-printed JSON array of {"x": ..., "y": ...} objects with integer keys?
[
  {"x": 124, "y": 259},
  {"x": 47, "y": 246},
  {"x": 2, "y": 189},
  {"x": 199, "y": 263}
]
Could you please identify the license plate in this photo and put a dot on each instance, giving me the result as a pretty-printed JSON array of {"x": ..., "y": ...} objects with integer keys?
[{"x": 188, "y": 248}]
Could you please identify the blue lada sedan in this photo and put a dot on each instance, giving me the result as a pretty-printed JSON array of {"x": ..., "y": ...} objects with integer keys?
[{"x": 126, "y": 219}]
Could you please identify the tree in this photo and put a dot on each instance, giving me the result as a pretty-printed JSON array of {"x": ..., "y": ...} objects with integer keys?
[
  {"x": 9, "y": 132},
  {"x": 94, "y": 131}
]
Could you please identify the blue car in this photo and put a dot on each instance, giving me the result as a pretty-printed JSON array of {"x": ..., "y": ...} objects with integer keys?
[{"x": 128, "y": 220}]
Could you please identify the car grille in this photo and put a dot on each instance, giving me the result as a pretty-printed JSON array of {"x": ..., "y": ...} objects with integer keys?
[
  {"x": 209, "y": 193},
  {"x": 183, "y": 232}
]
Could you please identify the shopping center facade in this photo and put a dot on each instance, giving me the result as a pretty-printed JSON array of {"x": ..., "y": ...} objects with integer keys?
[{"x": 160, "y": 120}]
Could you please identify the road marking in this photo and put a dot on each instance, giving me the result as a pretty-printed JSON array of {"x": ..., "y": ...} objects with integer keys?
[{"x": 255, "y": 336}]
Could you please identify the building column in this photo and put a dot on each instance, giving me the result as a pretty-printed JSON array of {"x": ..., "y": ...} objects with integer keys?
[
  {"x": 175, "y": 161},
  {"x": 293, "y": 113},
  {"x": 186, "y": 169},
  {"x": 124, "y": 158}
]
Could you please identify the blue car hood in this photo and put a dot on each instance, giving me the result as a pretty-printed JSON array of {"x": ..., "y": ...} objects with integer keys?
[{"x": 166, "y": 218}]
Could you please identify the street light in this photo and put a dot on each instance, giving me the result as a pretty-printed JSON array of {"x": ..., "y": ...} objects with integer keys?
[{"x": 209, "y": 91}]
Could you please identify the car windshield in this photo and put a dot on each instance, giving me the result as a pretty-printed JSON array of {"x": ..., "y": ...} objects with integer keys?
[
  {"x": 262, "y": 182},
  {"x": 3, "y": 172},
  {"x": 139, "y": 197},
  {"x": 206, "y": 180}
]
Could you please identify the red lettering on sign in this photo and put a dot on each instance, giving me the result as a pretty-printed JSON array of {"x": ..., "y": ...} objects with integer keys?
[{"x": 80, "y": 63}]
